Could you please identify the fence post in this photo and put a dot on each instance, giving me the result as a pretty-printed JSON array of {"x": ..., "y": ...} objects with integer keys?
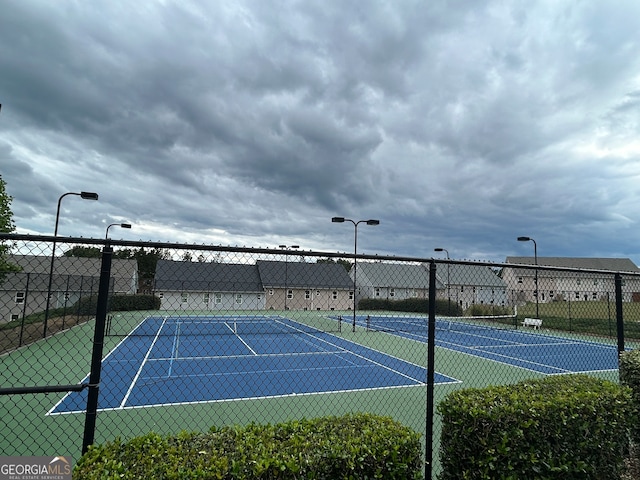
[
  {"x": 619, "y": 314},
  {"x": 428, "y": 458},
  {"x": 98, "y": 343}
]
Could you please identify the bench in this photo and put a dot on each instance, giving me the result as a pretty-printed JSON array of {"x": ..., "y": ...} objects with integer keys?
[{"x": 535, "y": 323}]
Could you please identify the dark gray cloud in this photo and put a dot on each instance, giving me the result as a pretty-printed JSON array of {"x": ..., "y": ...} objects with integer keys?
[{"x": 253, "y": 122}]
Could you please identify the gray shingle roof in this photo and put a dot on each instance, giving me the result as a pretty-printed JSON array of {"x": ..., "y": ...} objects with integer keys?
[
  {"x": 303, "y": 275},
  {"x": 212, "y": 277},
  {"x": 478, "y": 275},
  {"x": 612, "y": 264},
  {"x": 72, "y": 272},
  {"x": 397, "y": 275}
]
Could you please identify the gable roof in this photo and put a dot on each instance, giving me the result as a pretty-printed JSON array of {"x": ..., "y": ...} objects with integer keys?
[
  {"x": 73, "y": 265},
  {"x": 206, "y": 277},
  {"x": 462, "y": 274},
  {"x": 396, "y": 275},
  {"x": 73, "y": 272},
  {"x": 610, "y": 264},
  {"x": 303, "y": 275}
]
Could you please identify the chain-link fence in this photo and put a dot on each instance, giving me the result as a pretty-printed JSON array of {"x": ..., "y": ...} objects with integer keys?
[{"x": 104, "y": 341}]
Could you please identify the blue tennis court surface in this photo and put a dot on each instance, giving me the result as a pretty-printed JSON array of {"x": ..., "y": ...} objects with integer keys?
[
  {"x": 525, "y": 348},
  {"x": 168, "y": 361}
]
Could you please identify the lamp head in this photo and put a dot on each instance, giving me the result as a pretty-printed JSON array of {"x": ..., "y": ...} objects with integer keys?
[
  {"x": 438, "y": 249},
  {"x": 373, "y": 222},
  {"x": 524, "y": 239},
  {"x": 125, "y": 225},
  {"x": 89, "y": 195},
  {"x": 337, "y": 219}
]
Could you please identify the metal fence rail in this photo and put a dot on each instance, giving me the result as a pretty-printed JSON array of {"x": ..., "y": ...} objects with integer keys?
[{"x": 231, "y": 335}]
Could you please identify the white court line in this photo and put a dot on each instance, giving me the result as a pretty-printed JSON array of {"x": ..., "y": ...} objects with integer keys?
[{"x": 139, "y": 372}]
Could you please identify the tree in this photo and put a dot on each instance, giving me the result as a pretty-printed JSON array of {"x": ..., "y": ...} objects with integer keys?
[
  {"x": 83, "y": 252},
  {"x": 341, "y": 261},
  {"x": 6, "y": 226},
  {"x": 147, "y": 262}
]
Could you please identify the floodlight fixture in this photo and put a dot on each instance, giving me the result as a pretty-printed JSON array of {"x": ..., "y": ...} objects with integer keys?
[
  {"x": 121, "y": 225},
  {"x": 535, "y": 258},
  {"x": 84, "y": 196},
  {"x": 355, "y": 253}
]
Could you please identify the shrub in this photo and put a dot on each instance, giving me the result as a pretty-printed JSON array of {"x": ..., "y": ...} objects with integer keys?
[
  {"x": 561, "y": 427},
  {"x": 630, "y": 376},
  {"x": 416, "y": 305},
  {"x": 118, "y": 303},
  {"x": 351, "y": 446},
  {"x": 486, "y": 309}
]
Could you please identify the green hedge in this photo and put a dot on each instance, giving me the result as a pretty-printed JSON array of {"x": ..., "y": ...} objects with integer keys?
[
  {"x": 118, "y": 303},
  {"x": 561, "y": 427},
  {"x": 629, "y": 367},
  {"x": 354, "y": 446},
  {"x": 417, "y": 305}
]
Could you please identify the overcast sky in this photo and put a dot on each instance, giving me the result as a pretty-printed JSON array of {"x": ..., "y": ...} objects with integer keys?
[{"x": 457, "y": 124}]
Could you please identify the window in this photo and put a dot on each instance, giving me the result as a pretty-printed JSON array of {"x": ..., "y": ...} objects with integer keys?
[
  {"x": 19, "y": 297},
  {"x": 271, "y": 291},
  {"x": 578, "y": 295},
  {"x": 377, "y": 291},
  {"x": 205, "y": 298},
  {"x": 519, "y": 279},
  {"x": 289, "y": 294},
  {"x": 578, "y": 281},
  {"x": 218, "y": 298},
  {"x": 238, "y": 298},
  {"x": 14, "y": 317},
  {"x": 392, "y": 292},
  {"x": 184, "y": 298},
  {"x": 350, "y": 295},
  {"x": 307, "y": 294}
]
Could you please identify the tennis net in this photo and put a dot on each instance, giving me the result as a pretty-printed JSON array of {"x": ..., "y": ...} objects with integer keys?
[
  {"x": 220, "y": 325},
  {"x": 456, "y": 324}
]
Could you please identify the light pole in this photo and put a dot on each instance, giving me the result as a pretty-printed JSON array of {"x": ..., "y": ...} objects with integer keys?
[
  {"x": 121, "y": 225},
  {"x": 84, "y": 196},
  {"x": 286, "y": 263},
  {"x": 535, "y": 256},
  {"x": 439, "y": 249},
  {"x": 355, "y": 253}
]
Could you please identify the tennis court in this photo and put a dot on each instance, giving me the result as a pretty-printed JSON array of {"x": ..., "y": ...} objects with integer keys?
[
  {"x": 534, "y": 350},
  {"x": 198, "y": 359}
]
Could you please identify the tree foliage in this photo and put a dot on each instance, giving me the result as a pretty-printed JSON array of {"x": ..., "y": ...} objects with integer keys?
[
  {"x": 83, "y": 252},
  {"x": 6, "y": 226},
  {"x": 146, "y": 260},
  {"x": 341, "y": 261}
]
